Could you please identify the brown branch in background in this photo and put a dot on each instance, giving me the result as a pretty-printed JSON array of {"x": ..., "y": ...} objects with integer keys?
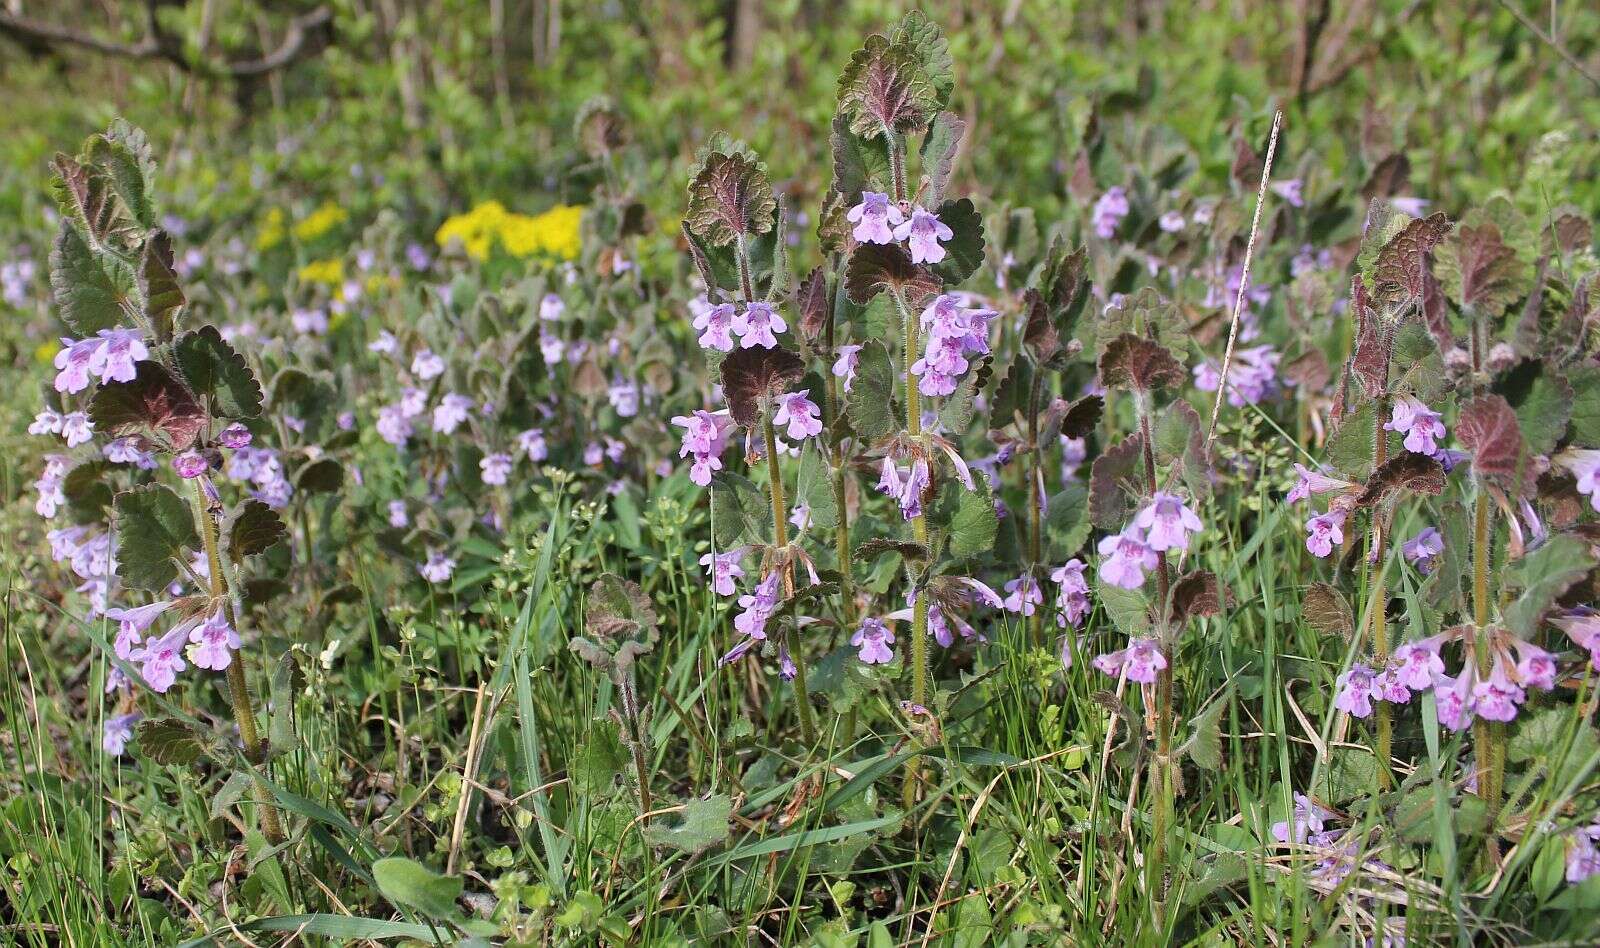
[
  {"x": 1551, "y": 42},
  {"x": 307, "y": 34}
]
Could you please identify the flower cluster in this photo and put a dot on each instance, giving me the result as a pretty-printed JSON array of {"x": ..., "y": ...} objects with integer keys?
[
  {"x": 880, "y": 220},
  {"x": 1516, "y": 666},
  {"x": 1252, "y": 376},
  {"x": 705, "y": 437},
  {"x": 953, "y": 332},
  {"x": 756, "y": 326}
]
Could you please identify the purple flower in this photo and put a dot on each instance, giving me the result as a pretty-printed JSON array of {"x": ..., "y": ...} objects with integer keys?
[
  {"x": 1585, "y": 466},
  {"x": 724, "y": 568},
  {"x": 923, "y": 232},
  {"x": 1417, "y": 665},
  {"x": 1312, "y": 482},
  {"x": 1356, "y": 691},
  {"x": 1583, "y": 857},
  {"x": 1109, "y": 211},
  {"x": 132, "y": 624},
  {"x": 1536, "y": 668},
  {"x": 716, "y": 326},
  {"x": 624, "y": 398},
  {"x": 1023, "y": 595},
  {"x": 189, "y": 464},
  {"x": 234, "y": 436},
  {"x": 123, "y": 349},
  {"x": 551, "y": 348},
  {"x": 800, "y": 413},
  {"x": 1325, "y": 531},
  {"x": 413, "y": 402},
  {"x": 1126, "y": 556},
  {"x": 1388, "y": 686},
  {"x": 873, "y": 640},
  {"x": 1308, "y": 821},
  {"x": 162, "y": 660},
  {"x": 593, "y": 454},
  {"x": 1289, "y": 191},
  {"x": 117, "y": 732},
  {"x": 426, "y": 366},
  {"x": 75, "y": 362},
  {"x": 551, "y": 307},
  {"x": 1072, "y": 601},
  {"x": 393, "y": 425},
  {"x": 47, "y": 421},
  {"x": 1453, "y": 700},
  {"x": 531, "y": 443},
  {"x": 309, "y": 321},
  {"x": 844, "y": 367},
  {"x": 438, "y": 569},
  {"x": 757, "y": 324},
  {"x": 1171, "y": 222},
  {"x": 705, "y": 436},
  {"x": 1582, "y": 626},
  {"x": 1423, "y": 548},
  {"x": 916, "y": 484},
  {"x": 398, "y": 518},
  {"x": 214, "y": 642},
  {"x": 800, "y": 516},
  {"x": 1421, "y": 425},
  {"x": 1497, "y": 698},
  {"x": 1139, "y": 661},
  {"x": 1167, "y": 522},
  {"x": 758, "y": 607},
  {"x": 875, "y": 217},
  {"x": 77, "y": 428},
  {"x": 495, "y": 469},
  {"x": 1252, "y": 376},
  {"x": 451, "y": 411}
]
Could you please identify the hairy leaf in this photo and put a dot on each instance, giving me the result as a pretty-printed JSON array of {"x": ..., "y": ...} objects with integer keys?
[
  {"x": 870, "y": 401},
  {"x": 814, "y": 488},
  {"x": 1139, "y": 363},
  {"x": 1542, "y": 576},
  {"x": 125, "y": 173},
  {"x": 154, "y": 526},
  {"x": 1204, "y": 744},
  {"x": 813, "y": 303},
  {"x": 885, "y": 87},
  {"x": 1543, "y": 401},
  {"x": 251, "y": 528},
  {"x": 1488, "y": 428},
  {"x": 730, "y": 197},
  {"x": 874, "y": 268},
  {"x": 410, "y": 884},
  {"x": 1479, "y": 271},
  {"x": 1585, "y": 382},
  {"x": 923, "y": 38},
  {"x": 1129, "y": 609},
  {"x": 169, "y": 741},
  {"x": 964, "y": 249},
  {"x": 154, "y": 404},
  {"x": 701, "y": 825},
  {"x": 158, "y": 284},
  {"x": 740, "y": 512},
  {"x": 1417, "y": 473},
  {"x": 859, "y": 164},
  {"x": 1402, "y": 264},
  {"x": 1109, "y": 502},
  {"x": 619, "y": 624},
  {"x": 939, "y": 148},
  {"x": 216, "y": 372},
  {"x": 1370, "y": 359},
  {"x": 1082, "y": 416},
  {"x": 1350, "y": 446},
  {"x": 1196, "y": 594},
  {"x": 88, "y": 295},
  {"x": 752, "y": 377},
  {"x": 1326, "y": 611},
  {"x": 974, "y": 525}
]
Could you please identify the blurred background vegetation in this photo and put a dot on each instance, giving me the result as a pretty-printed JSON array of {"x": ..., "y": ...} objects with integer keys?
[{"x": 432, "y": 104}]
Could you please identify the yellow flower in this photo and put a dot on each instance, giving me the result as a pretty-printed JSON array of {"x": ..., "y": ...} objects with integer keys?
[
  {"x": 270, "y": 233},
  {"x": 330, "y": 272},
  {"x": 553, "y": 233},
  {"x": 46, "y": 353},
  {"x": 322, "y": 220}
]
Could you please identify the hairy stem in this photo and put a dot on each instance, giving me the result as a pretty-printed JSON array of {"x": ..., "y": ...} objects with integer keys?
[
  {"x": 841, "y": 526},
  {"x": 1035, "y": 504},
  {"x": 1379, "y": 541},
  {"x": 919, "y": 532},
  {"x": 244, "y": 714},
  {"x": 1161, "y": 765},
  {"x": 1487, "y": 736},
  {"x": 897, "y": 162},
  {"x": 630, "y": 710},
  {"x": 780, "y": 538}
]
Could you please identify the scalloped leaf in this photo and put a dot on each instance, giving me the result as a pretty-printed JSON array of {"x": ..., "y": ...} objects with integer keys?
[
  {"x": 926, "y": 42},
  {"x": 1416, "y": 473},
  {"x": 874, "y": 268},
  {"x": 1114, "y": 483},
  {"x": 964, "y": 249},
  {"x": 870, "y": 402},
  {"x": 730, "y": 197},
  {"x": 215, "y": 371},
  {"x": 1325, "y": 610},
  {"x": 740, "y": 512},
  {"x": 250, "y": 528},
  {"x": 322, "y": 476},
  {"x": 973, "y": 526},
  {"x": 169, "y": 742},
  {"x": 89, "y": 296},
  {"x": 155, "y": 405},
  {"x": 1402, "y": 264},
  {"x": 859, "y": 164},
  {"x": 701, "y": 825},
  {"x": 154, "y": 526},
  {"x": 619, "y": 623},
  {"x": 1196, "y": 594},
  {"x": 751, "y": 377},
  {"x": 158, "y": 284},
  {"x": 814, "y": 488},
  {"x": 84, "y": 196},
  {"x": 886, "y": 87},
  {"x": 1487, "y": 427},
  {"x": 1543, "y": 402},
  {"x": 939, "y": 148},
  {"x": 1543, "y": 575},
  {"x": 1479, "y": 271},
  {"x": 125, "y": 172},
  {"x": 1082, "y": 416},
  {"x": 1139, "y": 363}
]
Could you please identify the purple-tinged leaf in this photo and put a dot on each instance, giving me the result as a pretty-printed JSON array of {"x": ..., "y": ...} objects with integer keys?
[
  {"x": 1082, "y": 416},
  {"x": 1416, "y": 473},
  {"x": 155, "y": 405},
  {"x": 1398, "y": 275},
  {"x": 158, "y": 283},
  {"x": 1196, "y": 594},
  {"x": 730, "y": 197},
  {"x": 1389, "y": 177},
  {"x": 812, "y": 302},
  {"x": 1326, "y": 611},
  {"x": 251, "y": 528},
  {"x": 1479, "y": 271},
  {"x": 1139, "y": 363},
  {"x": 1115, "y": 480},
  {"x": 1370, "y": 360},
  {"x": 886, "y": 87},
  {"x": 1488, "y": 428},
  {"x": 874, "y": 268},
  {"x": 752, "y": 377}
]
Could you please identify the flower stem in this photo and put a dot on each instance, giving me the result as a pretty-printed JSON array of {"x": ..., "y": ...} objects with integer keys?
[
  {"x": 1488, "y": 737},
  {"x": 244, "y": 714},
  {"x": 897, "y": 162},
  {"x": 630, "y": 710},
  {"x": 780, "y": 538},
  {"x": 1379, "y": 542},
  {"x": 919, "y": 532},
  {"x": 1161, "y": 765},
  {"x": 841, "y": 526},
  {"x": 1035, "y": 504}
]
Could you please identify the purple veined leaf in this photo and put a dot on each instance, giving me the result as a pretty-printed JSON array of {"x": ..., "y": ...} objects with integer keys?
[
  {"x": 1309, "y": 370},
  {"x": 1488, "y": 428},
  {"x": 1369, "y": 362},
  {"x": 753, "y": 376},
  {"x": 730, "y": 197},
  {"x": 600, "y": 127},
  {"x": 1390, "y": 176},
  {"x": 1140, "y": 363},
  {"x": 1113, "y": 482},
  {"x": 1196, "y": 594},
  {"x": 885, "y": 86},
  {"x": 85, "y": 194},
  {"x": 155, "y": 405},
  {"x": 1417, "y": 473},
  {"x": 158, "y": 283},
  {"x": 1479, "y": 271},
  {"x": 1081, "y": 417},
  {"x": 811, "y": 300},
  {"x": 1398, "y": 276},
  {"x": 874, "y": 268},
  {"x": 1325, "y": 609}
]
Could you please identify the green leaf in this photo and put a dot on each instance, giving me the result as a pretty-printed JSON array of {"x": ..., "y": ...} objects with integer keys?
[
  {"x": 169, "y": 741},
  {"x": 1204, "y": 745},
  {"x": 216, "y": 372},
  {"x": 740, "y": 512},
  {"x": 702, "y": 824},
  {"x": 974, "y": 525},
  {"x": 597, "y": 768},
  {"x": 964, "y": 249},
  {"x": 1350, "y": 446},
  {"x": 885, "y": 88},
  {"x": 870, "y": 402},
  {"x": 926, "y": 43},
  {"x": 1067, "y": 523},
  {"x": 859, "y": 164},
  {"x": 322, "y": 476},
  {"x": 814, "y": 488},
  {"x": 1543, "y": 575},
  {"x": 410, "y": 884},
  {"x": 250, "y": 528},
  {"x": 730, "y": 197},
  {"x": 1543, "y": 402},
  {"x": 231, "y": 792},
  {"x": 286, "y": 681},
  {"x": 88, "y": 295},
  {"x": 1585, "y": 382},
  {"x": 154, "y": 526},
  {"x": 1128, "y": 608},
  {"x": 126, "y": 173},
  {"x": 939, "y": 148},
  {"x": 158, "y": 284}
]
